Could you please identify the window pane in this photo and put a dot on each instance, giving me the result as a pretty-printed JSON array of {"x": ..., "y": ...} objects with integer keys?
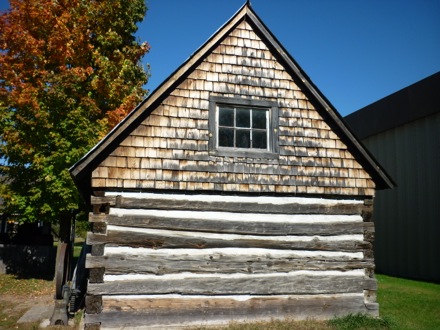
[
  {"x": 243, "y": 139},
  {"x": 259, "y": 118},
  {"x": 243, "y": 118},
  {"x": 259, "y": 139},
  {"x": 225, "y": 137},
  {"x": 226, "y": 117}
]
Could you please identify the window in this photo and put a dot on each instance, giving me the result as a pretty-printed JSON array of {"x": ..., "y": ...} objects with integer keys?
[{"x": 242, "y": 127}]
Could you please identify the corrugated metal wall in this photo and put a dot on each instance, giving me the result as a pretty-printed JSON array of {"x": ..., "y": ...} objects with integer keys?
[{"x": 408, "y": 217}]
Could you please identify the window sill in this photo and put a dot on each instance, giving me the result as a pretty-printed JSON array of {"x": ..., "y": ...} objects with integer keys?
[{"x": 244, "y": 153}]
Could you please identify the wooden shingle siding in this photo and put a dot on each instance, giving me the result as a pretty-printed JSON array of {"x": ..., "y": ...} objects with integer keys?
[
  {"x": 175, "y": 137},
  {"x": 175, "y": 260}
]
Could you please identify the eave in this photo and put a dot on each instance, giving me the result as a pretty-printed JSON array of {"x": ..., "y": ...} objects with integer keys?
[{"x": 81, "y": 171}]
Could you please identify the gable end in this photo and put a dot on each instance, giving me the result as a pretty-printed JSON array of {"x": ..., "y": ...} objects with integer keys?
[{"x": 170, "y": 140}]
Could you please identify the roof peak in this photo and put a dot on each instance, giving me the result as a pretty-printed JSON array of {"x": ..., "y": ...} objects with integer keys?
[{"x": 82, "y": 169}]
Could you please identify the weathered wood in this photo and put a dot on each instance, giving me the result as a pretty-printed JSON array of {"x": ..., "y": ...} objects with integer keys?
[
  {"x": 247, "y": 205},
  {"x": 99, "y": 227},
  {"x": 244, "y": 226},
  {"x": 367, "y": 215},
  {"x": 156, "y": 238},
  {"x": 367, "y": 211},
  {"x": 97, "y": 249},
  {"x": 99, "y": 200},
  {"x": 96, "y": 209},
  {"x": 93, "y": 304},
  {"x": 179, "y": 312},
  {"x": 96, "y": 274},
  {"x": 373, "y": 308},
  {"x": 154, "y": 304},
  {"x": 246, "y": 69},
  {"x": 370, "y": 296},
  {"x": 236, "y": 284},
  {"x": 218, "y": 262},
  {"x": 293, "y": 208}
]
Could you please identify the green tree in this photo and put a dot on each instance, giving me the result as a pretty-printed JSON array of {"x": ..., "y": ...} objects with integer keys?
[{"x": 69, "y": 71}]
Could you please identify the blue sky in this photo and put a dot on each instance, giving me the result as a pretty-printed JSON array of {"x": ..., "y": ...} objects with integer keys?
[{"x": 355, "y": 51}]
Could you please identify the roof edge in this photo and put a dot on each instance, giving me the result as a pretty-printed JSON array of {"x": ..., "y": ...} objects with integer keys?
[
  {"x": 79, "y": 167},
  {"x": 89, "y": 161},
  {"x": 416, "y": 101},
  {"x": 381, "y": 178}
]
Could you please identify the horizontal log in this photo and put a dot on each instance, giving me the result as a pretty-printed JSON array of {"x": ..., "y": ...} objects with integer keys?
[
  {"x": 237, "y": 284},
  {"x": 100, "y": 200},
  {"x": 257, "y": 204},
  {"x": 157, "y": 238},
  {"x": 180, "y": 312},
  {"x": 154, "y": 304},
  {"x": 173, "y": 261},
  {"x": 234, "y": 223}
]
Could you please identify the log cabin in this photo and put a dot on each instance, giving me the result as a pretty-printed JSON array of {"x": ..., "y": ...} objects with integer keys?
[{"x": 233, "y": 192}]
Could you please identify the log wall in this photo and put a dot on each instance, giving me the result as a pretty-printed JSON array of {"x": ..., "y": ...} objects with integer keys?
[
  {"x": 205, "y": 241},
  {"x": 170, "y": 261}
]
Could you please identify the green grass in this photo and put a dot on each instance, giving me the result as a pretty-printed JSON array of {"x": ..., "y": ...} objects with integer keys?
[
  {"x": 15, "y": 295},
  {"x": 11, "y": 285},
  {"x": 409, "y": 304},
  {"x": 272, "y": 325},
  {"x": 77, "y": 246},
  {"x": 360, "y": 322}
]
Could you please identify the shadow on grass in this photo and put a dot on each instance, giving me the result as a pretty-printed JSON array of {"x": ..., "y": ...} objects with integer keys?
[{"x": 361, "y": 321}]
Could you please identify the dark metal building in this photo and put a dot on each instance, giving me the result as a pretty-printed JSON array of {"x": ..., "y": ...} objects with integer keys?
[{"x": 402, "y": 131}]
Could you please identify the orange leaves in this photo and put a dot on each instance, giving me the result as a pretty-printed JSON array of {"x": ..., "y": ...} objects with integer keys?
[
  {"x": 82, "y": 73},
  {"x": 42, "y": 35},
  {"x": 127, "y": 105},
  {"x": 69, "y": 72}
]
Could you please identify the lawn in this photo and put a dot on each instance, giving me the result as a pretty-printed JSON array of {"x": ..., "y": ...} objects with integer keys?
[
  {"x": 404, "y": 304},
  {"x": 409, "y": 304},
  {"x": 18, "y": 295}
]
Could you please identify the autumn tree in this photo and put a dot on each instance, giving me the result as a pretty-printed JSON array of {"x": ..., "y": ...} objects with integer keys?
[{"x": 69, "y": 71}]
